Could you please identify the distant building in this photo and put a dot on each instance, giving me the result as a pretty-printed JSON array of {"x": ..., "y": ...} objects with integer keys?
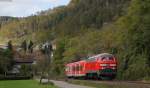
[
  {"x": 54, "y": 45},
  {"x": 19, "y": 62},
  {"x": 24, "y": 61},
  {"x": 3, "y": 46}
]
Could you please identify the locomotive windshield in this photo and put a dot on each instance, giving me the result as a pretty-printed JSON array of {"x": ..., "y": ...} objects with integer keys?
[{"x": 107, "y": 57}]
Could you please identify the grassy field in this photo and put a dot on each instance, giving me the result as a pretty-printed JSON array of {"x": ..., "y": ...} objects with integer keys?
[{"x": 23, "y": 84}]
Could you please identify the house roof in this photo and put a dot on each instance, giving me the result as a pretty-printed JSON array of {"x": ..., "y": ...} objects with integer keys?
[{"x": 20, "y": 60}]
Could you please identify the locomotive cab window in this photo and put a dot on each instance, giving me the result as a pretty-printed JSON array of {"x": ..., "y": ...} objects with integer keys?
[{"x": 107, "y": 58}]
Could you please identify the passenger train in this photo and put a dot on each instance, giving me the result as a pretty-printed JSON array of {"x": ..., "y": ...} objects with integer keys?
[{"x": 99, "y": 66}]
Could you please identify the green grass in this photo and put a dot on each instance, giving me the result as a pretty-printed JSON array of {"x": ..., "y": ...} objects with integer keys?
[{"x": 23, "y": 84}]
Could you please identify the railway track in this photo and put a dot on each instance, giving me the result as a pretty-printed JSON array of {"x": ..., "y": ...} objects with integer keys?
[
  {"x": 126, "y": 84},
  {"x": 116, "y": 81}
]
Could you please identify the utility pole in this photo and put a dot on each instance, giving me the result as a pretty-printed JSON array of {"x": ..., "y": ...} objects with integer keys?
[
  {"x": 48, "y": 51},
  {"x": 47, "y": 47}
]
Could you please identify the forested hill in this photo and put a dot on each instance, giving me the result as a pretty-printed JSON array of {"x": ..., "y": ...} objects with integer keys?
[
  {"x": 89, "y": 27},
  {"x": 79, "y": 14},
  {"x": 5, "y": 19}
]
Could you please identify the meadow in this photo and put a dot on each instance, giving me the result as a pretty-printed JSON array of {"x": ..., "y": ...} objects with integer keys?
[{"x": 23, "y": 84}]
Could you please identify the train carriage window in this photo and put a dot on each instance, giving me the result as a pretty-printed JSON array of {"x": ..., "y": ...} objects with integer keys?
[
  {"x": 70, "y": 68},
  {"x": 73, "y": 68},
  {"x": 66, "y": 69},
  {"x": 77, "y": 68},
  {"x": 81, "y": 68}
]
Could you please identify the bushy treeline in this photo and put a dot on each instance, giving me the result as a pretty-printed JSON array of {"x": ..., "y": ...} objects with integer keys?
[
  {"x": 6, "y": 61},
  {"x": 5, "y": 19},
  {"x": 88, "y": 27},
  {"x": 134, "y": 29}
]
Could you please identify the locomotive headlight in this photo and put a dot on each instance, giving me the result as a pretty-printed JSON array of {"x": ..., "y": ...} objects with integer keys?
[
  {"x": 103, "y": 65},
  {"x": 113, "y": 65},
  {"x": 114, "y": 68}
]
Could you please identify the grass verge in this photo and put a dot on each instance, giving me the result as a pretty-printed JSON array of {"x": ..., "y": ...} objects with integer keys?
[{"x": 23, "y": 84}]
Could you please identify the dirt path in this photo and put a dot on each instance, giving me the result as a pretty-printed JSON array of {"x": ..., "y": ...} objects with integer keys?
[{"x": 63, "y": 84}]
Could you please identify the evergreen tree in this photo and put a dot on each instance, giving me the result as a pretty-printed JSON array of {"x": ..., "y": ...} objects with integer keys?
[
  {"x": 10, "y": 47},
  {"x": 24, "y": 46},
  {"x": 30, "y": 46}
]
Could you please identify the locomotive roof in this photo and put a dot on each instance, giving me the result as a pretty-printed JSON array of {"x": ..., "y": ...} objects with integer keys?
[
  {"x": 91, "y": 58},
  {"x": 73, "y": 63},
  {"x": 101, "y": 55}
]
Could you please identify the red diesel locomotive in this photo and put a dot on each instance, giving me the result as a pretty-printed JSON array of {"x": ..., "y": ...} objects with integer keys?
[{"x": 98, "y": 66}]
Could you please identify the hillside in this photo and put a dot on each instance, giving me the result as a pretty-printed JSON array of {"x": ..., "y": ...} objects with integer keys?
[
  {"x": 88, "y": 27},
  {"x": 4, "y": 20},
  {"x": 79, "y": 14}
]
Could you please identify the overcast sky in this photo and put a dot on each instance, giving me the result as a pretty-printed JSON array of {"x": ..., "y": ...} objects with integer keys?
[{"x": 21, "y": 8}]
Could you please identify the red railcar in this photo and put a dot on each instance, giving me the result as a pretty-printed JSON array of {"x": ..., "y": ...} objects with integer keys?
[{"x": 98, "y": 66}]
